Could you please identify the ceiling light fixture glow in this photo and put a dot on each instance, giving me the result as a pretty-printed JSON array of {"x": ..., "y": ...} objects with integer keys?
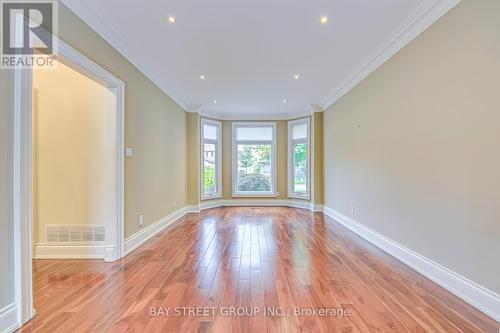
[
  {"x": 323, "y": 19},
  {"x": 171, "y": 19},
  {"x": 202, "y": 77},
  {"x": 284, "y": 101},
  {"x": 215, "y": 101},
  {"x": 296, "y": 77}
]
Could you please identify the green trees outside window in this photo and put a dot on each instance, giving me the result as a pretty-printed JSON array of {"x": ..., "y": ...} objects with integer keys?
[
  {"x": 254, "y": 168},
  {"x": 300, "y": 167}
]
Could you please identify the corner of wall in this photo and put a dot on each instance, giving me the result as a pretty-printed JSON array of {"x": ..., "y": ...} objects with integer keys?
[
  {"x": 318, "y": 158},
  {"x": 192, "y": 143}
]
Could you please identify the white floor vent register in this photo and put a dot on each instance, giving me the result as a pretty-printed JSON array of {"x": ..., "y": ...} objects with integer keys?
[{"x": 75, "y": 233}]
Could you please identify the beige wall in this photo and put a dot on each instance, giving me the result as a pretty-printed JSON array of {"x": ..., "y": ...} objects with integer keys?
[
  {"x": 415, "y": 147},
  {"x": 73, "y": 151},
  {"x": 6, "y": 226},
  {"x": 155, "y": 127},
  {"x": 193, "y": 157},
  {"x": 317, "y": 136}
]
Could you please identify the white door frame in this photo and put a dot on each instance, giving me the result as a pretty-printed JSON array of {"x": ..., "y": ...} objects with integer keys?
[{"x": 22, "y": 171}]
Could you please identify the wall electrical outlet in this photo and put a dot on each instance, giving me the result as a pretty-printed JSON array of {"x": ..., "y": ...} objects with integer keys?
[
  {"x": 352, "y": 210},
  {"x": 141, "y": 220}
]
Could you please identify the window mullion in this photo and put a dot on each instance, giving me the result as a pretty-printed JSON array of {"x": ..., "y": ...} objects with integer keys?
[{"x": 253, "y": 142}]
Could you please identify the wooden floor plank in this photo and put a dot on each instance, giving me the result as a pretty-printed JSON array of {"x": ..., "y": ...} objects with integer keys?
[{"x": 272, "y": 259}]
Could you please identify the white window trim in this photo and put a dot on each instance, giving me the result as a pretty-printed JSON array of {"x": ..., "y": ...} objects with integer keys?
[
  {"x": 218, "y": 159},
  {"x": 235, "y": 143},
  {"x": 291, "y": 142}
]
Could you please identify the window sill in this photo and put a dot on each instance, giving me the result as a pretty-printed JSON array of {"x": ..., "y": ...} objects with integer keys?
[
  {"x": 254, "y": 195},
  {"x": 300, "y": 197},
  {"x": 211, "y": 197}
]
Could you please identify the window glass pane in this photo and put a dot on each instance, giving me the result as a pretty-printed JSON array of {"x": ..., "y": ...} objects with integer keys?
[
  {"x": 300, "y": 168},
  {"x": 254, "y": 168},
  {"x": 299, "y": 131},
  {"x": 209, "y": 168},
  {"x": 209, "y": 132},
  {"x": 254, "y": 133}
]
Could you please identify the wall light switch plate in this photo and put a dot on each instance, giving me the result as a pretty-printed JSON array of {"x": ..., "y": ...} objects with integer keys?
[{"x": 128, "y": 152}]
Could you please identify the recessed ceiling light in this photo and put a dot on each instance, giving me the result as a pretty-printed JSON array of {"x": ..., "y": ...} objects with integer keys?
[
  {"x": 323, "y": 19},
  {"x": 202, "y": 77},
  {"x": 296, "y": 77},
  {"x": 284, "y": 101},
  {"x": 215, "y": 101},
  {"x": 171, "y": 19}
]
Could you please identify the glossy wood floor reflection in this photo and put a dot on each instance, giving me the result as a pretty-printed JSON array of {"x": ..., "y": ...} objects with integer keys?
[{"x": 246, "y": 258}]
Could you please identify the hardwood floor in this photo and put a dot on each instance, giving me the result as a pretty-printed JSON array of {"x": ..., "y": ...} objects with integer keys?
[{"x": 227, "y": 260}]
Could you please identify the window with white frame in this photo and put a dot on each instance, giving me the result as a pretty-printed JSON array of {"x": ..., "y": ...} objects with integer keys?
[
  {"x": 254, "y": 151},
  {"x": 299, "y": 144},
  {"x": 211, "y": 159}
]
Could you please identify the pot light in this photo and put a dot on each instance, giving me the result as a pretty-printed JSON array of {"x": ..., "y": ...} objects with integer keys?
[
  {"x": 296, "y": 77},
  {"x": 284, "y": 101},
  {"x": 171, "y": 19},
  {"x": 323, "y": 19},
  {"x": 215, "y": 101},
  {"x": 202, "y": 77}
]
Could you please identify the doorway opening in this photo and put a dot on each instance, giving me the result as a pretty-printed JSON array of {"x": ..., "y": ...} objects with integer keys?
[
  {"x": 73, "y": 153},
  {"x": 68, "y": 167}
]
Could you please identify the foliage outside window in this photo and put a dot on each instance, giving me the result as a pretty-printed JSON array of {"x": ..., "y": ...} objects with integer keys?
[
  {"x": 209, "y": 169},
  {"x": 298, "y": 161},
  {"x": 210, "y": 159},
  {"x": 253, "y": 167}
]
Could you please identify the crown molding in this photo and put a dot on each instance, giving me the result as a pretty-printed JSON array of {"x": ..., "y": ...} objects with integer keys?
[
  {"x": 111, "y": 37},
  {"x": 316, "y": 108},
  {"x": 195, "y": 108},
  {"x": 253, "y": 116},
  {"x": 417, "y": 22},
  {"x": 204, "y": 112}
]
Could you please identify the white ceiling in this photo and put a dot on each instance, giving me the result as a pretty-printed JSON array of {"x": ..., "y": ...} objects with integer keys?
[{"x": 249, "y": 50}]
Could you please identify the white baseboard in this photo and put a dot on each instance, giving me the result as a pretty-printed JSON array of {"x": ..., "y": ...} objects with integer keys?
[
  {"x": 260, "y": 203},
  {"x": 476, "y": 295},
  {"x": 9, "y": 321},
  {"x": 80, "y": 251},
  {"x": 52, "y": 251},
  {"x": 192, "y": 209},
  {"x": 317, "y": 208},
  {"x": 136, "y": 240}
]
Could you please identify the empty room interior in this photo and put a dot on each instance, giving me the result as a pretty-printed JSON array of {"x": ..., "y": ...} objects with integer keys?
[{"x": 250, "y": 166}]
